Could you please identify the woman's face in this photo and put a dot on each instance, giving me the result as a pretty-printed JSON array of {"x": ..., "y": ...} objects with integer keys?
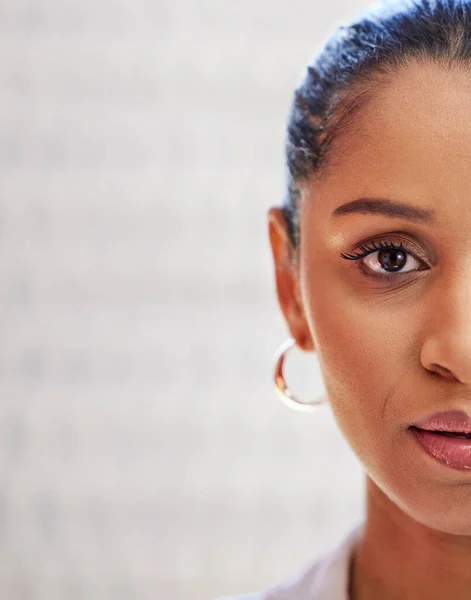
[{"x": 393, "y": 346}]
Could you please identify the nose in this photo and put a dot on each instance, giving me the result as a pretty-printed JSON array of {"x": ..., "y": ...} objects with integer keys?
[{"x": 446, "y": 349}]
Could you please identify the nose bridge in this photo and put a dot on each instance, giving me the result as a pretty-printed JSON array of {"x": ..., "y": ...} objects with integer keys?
[{"x": 447, "y": 348}]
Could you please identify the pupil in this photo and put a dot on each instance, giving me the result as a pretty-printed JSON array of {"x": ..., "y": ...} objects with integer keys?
[{"x": 392, "y": 260}]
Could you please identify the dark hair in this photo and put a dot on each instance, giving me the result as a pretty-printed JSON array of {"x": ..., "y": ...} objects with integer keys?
[{"x": 341, "y": 79}]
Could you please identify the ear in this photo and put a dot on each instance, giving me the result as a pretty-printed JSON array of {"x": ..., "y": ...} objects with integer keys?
[{"x": 287, "y": 279}]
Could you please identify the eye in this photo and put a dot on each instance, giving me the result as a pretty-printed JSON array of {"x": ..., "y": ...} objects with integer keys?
[{"x": 384, "y": 259}]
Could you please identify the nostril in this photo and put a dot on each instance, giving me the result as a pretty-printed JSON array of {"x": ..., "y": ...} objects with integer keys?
[{"x": 442, "y": 371}]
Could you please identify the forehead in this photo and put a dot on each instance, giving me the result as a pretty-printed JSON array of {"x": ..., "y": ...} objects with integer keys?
[
  {"x": 412, "y": 141},
  {"x": 423, "y": 104}
]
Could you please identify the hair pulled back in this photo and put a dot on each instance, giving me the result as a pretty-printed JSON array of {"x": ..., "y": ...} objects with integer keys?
[{"x": 342, "y": 77}]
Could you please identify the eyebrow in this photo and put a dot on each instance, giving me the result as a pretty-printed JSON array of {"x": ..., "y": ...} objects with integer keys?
[{"x": 386, "y": 208}]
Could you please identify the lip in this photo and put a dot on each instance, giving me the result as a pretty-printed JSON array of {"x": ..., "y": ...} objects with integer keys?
[
  {"x": 453, "y": 421},
  {"x": 452, "y": 452}
]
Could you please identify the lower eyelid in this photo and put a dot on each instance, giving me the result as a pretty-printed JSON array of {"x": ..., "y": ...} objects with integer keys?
[{"x": 384, "y": 276}]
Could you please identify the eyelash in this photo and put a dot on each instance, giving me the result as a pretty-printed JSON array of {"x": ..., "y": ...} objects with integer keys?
[{"x": 381, "y": 245}]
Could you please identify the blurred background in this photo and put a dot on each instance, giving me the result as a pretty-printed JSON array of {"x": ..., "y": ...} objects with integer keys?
[{"x": 143, "y": 451}]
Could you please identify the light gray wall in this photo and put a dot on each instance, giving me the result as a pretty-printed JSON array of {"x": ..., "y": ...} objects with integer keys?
[{"x": 143, "y": 452}]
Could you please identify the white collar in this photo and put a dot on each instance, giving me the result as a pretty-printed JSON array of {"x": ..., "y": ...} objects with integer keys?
[{"x": 331, "y": 574}]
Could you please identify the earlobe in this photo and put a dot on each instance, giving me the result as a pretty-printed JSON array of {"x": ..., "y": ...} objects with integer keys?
[
  {"x": 306, "y": 342},
  {"x": 286, "y": 279}
]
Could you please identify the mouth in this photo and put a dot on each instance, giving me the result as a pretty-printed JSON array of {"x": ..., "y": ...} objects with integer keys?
[
  {"x": 454, "y": 434},
  {"x": 450, "y": 449}
]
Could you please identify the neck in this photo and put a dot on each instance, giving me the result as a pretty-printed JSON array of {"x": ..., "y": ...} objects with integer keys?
[{"x": 396, "y": 557}]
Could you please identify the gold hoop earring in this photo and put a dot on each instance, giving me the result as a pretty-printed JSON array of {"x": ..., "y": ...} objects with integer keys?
[{"x": 282, "y": 389}]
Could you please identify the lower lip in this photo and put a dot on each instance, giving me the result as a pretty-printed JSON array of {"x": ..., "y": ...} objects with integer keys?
[{"x": 452, "y": 452}]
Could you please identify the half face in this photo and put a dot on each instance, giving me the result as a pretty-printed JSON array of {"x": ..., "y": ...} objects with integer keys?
[{"x": 392, "y": 330}]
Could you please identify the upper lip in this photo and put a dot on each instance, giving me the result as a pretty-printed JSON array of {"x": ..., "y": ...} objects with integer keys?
[{"x": 455, "y": 421}]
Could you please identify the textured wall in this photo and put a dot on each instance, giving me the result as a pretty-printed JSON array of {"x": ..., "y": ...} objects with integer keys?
[{"x": 143, "y": 453}]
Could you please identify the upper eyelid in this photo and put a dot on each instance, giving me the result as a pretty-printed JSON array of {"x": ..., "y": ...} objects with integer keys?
[
  {"x": 416, "y": 243},
  {"x": 382, "y": 245},
  {"x": 385, "y": 243}
]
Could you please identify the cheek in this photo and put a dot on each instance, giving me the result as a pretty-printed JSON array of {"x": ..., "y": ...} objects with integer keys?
[
  {"x": 364, "y": 362},
  {"x": 372, "y": 378}
]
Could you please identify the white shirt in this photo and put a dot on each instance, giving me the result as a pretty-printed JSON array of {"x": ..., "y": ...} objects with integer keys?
[{"x": 326, "y": 579}]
